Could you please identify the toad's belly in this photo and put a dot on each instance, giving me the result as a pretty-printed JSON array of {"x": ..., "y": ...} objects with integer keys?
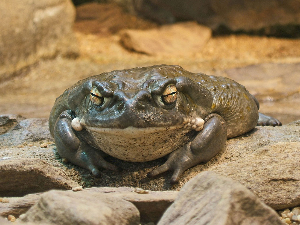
[{"x": 139, "y": 144}]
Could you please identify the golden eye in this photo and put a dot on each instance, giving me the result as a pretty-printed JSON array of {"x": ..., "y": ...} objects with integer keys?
[
  {"x": 96, "y": 97},
  {"x": 169, "y": 95}
]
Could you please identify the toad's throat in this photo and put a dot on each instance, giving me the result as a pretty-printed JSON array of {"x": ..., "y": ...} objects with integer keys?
[{"x": 139, "y": 144}]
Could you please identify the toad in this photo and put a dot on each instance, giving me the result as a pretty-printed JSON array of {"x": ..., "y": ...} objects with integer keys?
[{"x": 143, "y": 114}]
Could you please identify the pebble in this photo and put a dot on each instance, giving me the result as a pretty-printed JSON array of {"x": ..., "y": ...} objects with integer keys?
[
  {"x": 291, "y": 216},
  {"x": 44, "y": 145},
  {"x": 141, "y": 191},
  {"x": 64, "y": 160},
  {"x": 79, "y": 188},
  {"x": 11, "y": 218}
]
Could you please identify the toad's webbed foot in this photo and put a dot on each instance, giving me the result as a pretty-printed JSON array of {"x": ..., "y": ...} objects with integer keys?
[
  {"x": 265, "y": 120},
  {"x": 207, "y": 143},
  {"x": 77, "y": 151}
]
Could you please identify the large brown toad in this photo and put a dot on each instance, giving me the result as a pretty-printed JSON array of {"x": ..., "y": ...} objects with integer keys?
[{"x": 142, "y": 114}]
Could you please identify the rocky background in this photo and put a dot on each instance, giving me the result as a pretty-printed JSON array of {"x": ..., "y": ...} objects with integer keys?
[{"x": 46, "y": 46}]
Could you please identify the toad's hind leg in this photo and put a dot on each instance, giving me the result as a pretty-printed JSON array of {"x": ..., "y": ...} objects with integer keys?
[
  {"x": 265, "y": 120},
  {"x": 207, "y": 143},
  {"x": 69, "y": 146}
]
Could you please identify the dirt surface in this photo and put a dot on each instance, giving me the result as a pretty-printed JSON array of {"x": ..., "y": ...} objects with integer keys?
[{"x": 33, "y": 93}]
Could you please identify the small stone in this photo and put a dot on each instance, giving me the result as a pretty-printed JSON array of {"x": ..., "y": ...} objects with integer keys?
[
  {"x": 141, "y": 191},
  {"x": 185, "y": 120},
  {"x": 287, "y": 220},
  {"x": 22, "y": 216},
  {"x": 11, "y": 218},
  {"x": 65, "y": 160},
  {"x": 79, "y": 188},
  {"x": 284, "y": 214},
  {"x": 290, "y": 215},
  {"x": 44, "y": 145},
  {"x": 296, "y": 211},
  {"x": 294, "y": 218}
]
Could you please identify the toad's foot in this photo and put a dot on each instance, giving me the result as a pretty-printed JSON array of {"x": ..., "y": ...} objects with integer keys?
[{"x": 265, "y": 120}]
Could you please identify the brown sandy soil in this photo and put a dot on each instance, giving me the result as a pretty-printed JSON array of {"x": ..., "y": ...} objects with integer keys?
[{"x": 32, "y": 94}]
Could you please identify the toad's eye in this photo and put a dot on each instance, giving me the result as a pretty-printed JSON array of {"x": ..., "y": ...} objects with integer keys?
[
  {"x": 169, "y": 96},
  {"x": 96, "y": 97}
]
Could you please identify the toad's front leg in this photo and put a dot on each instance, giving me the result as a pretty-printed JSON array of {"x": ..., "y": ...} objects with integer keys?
[
  {"x": 208, "y": 142},
  {"x": 70, "y": 146}
]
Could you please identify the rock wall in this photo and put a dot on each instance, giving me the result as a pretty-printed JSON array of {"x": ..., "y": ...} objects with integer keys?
[
  {"x": 34, "y": 29},
  {"x": 259, "y": 16}
]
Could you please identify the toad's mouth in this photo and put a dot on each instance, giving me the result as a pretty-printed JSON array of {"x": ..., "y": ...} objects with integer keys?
[
  {"x": 140, "y": 144},
  {"x": 135, "y": 132}
]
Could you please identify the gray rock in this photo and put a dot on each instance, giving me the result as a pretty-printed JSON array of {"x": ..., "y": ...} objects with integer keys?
[
  {"x": 267, "y": 164},
  {"x": 8, "y": 122},
  {"x": 271, "y": 15},
  {"x": 150, "y": 204},
  {"x": 58, "y": 207},
  {"x": 23, "y": 176},
  {"x": 26, "y": 130},
  {"x": 177, "y": 39},
  {"x": 275, "y": 85},
  {"x": 279, "y": 79},
  {"x": 17, "y": 205},
  {"x": 34, "y": 29},
  {"x": 212, "y": 199}
]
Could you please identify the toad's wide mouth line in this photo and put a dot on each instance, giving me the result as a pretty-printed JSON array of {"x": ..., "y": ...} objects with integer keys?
[{"x": 135, "y": 131}]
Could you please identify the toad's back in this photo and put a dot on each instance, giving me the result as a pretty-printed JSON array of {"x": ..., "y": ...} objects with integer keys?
[{"x": 232, "y": 102}]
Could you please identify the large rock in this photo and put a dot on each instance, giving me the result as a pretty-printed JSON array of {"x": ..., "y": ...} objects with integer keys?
[
  {"x": 107, "y": 19},
  {"x": 34, "y": 29},
  {"x": 275, "y": 85},
  {"x": 8, "y": 122},
  {"x": 271, "y": 15},
  {"x": 57, "y": 207},
  {"x": 150, "y": 204},
  {"x": 17, "y": 130},
  {"x": 17, "y": 205},
  {"x": 266, "y": 162},
  {"x": 210, "y": 199},
  {"x": 276, "y": 182},
  {"x": 178, "y": 39},
  {"x": 23, "y": 176},
  {"x": 279, "y": 79}
]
